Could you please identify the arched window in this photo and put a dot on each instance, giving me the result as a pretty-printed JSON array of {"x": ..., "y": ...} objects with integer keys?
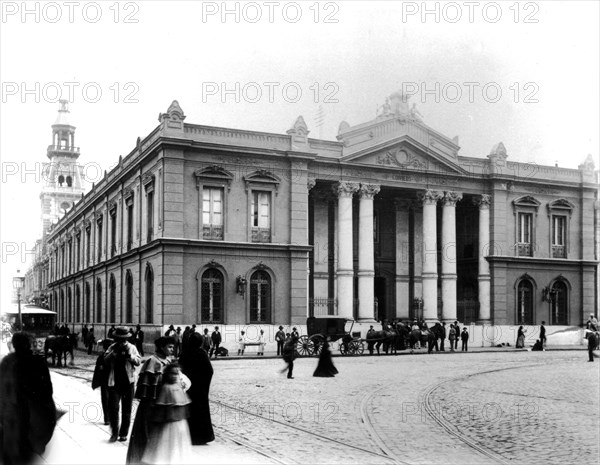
[
  {"x": 525, "y": 302},
  {"x": 113, "y": 299},
  {"x": 61, "y": 179},
  {"x": 149, "y": 294},
  {"x": 128, "y": 297},
  {"x": 260, "y": 297},
  {"x": 212, "y": 296},
  {"x": 559, "y": 303},
  {"x": 88, "y": 303},
  {"x": 78, "y": 303},
  {"x": 98, "y": 301},
  {"x": 69, "y": 181}
]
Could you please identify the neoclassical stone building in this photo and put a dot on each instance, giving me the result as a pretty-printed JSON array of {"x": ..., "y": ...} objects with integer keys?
[{"x": 202, "y": 224}]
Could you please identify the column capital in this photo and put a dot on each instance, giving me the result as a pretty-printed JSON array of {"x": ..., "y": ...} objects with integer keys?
[
  {"x": 429, "y": 197},
  {"x": 368, "y": 191},
  {"x": 450, "y": 198},
  {"x": 483, "y": 201},
  {"x": 345, "y": 188}
]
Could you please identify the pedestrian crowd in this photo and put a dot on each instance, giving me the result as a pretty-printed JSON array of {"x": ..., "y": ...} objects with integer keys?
[{"x": 172, "y": 385}]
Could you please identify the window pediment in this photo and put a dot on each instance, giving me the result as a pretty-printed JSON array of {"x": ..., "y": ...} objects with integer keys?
[
  {"x": 214, "y": 173},
  {"x": 148, "y": 181},
  {"x": 112, "y": 208},
  {"x": 527, "y": 202},
  {"x": 128, "y": 194},
  {"x": 561, "y": 205},
  {"x": 262, "y": 177}
]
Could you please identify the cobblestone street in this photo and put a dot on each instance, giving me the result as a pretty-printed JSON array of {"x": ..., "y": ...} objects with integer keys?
[{"x": 447, "y": 408}]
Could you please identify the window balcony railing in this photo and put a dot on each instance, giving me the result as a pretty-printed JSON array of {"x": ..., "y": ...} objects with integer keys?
[
  {"x": 212, "y": 232},
  {"x": 321, "y": 306},
  {"x": 261, "y": 234},
  {"x": 524, "y": 249},
  {"x": 559, "y": 251}
]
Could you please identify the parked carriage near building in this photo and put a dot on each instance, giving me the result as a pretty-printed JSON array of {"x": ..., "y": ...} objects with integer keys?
[{"x": 330, "y": 328}]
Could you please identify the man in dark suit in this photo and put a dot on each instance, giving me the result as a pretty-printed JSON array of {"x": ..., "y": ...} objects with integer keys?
[
  {"x": 216, "y": 342},
  {"x": 543, "y": 334},
  {"x": 592, "y": 343},
  {"x": 443, "y": 336},
  {"x": 280, "y": 338}
]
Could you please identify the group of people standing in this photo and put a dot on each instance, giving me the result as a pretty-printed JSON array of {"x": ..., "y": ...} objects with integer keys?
[{"x": 173, "y": 413}]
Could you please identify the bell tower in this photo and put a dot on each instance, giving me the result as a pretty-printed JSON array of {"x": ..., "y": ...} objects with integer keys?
[{"x": 63, "y": 177}]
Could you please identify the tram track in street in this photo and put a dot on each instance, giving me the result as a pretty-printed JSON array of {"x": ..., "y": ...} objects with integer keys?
[
  {"x": 384, "y": 456},
  {"x": 368, "y": 424},
  {"x": 431, "y": 411}
]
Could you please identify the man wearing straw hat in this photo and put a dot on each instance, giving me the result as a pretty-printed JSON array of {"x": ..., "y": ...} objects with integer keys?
[{"x": 121, "y": 358}]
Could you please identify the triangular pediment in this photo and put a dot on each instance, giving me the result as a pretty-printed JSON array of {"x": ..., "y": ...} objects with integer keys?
[
  {"x": 403, "y": 143},
  {"x": 406, "y": 156}
]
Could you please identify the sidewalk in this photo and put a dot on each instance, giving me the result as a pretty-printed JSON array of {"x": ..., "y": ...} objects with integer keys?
[{"x": 81, "y": 437}]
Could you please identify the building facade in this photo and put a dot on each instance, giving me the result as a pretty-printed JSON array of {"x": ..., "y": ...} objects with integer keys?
[{"x": 204, "y": 225}]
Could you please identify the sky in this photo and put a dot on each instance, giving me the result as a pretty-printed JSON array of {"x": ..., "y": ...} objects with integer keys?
[{"x": 522, "y": 73}]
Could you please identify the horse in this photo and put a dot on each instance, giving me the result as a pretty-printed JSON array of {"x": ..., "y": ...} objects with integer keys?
[
  {"x": 59, "y": 346},
  {"x": 385, "y": 337}
]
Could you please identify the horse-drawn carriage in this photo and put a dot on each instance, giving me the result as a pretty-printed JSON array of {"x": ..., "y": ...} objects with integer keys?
[{"x": 330, "y": 328}]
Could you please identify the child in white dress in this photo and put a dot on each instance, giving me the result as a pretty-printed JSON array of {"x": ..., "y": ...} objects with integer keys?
[{"x": 169, "y": 439}]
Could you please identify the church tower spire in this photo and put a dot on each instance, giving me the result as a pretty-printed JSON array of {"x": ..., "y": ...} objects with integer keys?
[{"x": 64, "y": 181}]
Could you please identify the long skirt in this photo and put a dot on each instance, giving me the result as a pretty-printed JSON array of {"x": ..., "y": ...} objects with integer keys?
[
  {"x": 139, "y": 432},
  {"x": 520, "y": 342},
  {"x": 200, "y": 423},
  {"x": 169, "y": 442}
]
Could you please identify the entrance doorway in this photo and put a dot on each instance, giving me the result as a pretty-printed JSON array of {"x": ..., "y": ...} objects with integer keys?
[{"x": 381, "y": 312}]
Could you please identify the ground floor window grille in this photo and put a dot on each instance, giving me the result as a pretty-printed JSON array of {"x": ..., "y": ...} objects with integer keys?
[
  {"x": 260, "y": 297},
  {"x": 525, "y": 303},
  {"x": 212, "y": 296}
]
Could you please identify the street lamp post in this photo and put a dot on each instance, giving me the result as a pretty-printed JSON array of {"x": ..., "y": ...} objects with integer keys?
[{"x": 18, "y": 283}]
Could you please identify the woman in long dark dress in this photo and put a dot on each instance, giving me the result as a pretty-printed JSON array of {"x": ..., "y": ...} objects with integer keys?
[
  {"x": 195, "y": 364},
  {"x": 325, "y": 367},
  {"x": 520, "y": 338},
  {"x": 148, "y": 387}
]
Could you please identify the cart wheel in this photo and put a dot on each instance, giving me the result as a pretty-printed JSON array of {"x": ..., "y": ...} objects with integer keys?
[
  {"x": 360, "y": 347},
  {"x": 305, "y": 347},
  {"x": 318, "y": 343},
  {"x": 344, "y": 348}
]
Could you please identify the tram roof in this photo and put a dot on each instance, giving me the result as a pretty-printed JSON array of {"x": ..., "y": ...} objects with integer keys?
[{"x": 28, "y": 310}]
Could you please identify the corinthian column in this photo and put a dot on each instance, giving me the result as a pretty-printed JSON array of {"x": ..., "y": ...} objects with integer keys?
[
  {"x": 449, "y": 256},
  {"x": 345, "y": 269},
  {"x": 429, "y": 274},
  {"x": 484, "y": 249},
  {"x": 366, "y": 259}
]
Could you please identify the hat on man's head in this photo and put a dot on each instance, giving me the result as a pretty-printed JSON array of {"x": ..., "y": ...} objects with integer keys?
[
  {"x": 294, "y": 328},
  {"x": 281, "y": 327},
  {"x": 121, "y": 333}
]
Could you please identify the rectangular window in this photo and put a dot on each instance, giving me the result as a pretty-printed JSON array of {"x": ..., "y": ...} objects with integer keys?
[
  {"x": 88, "y": 240},
  {"x": 99, "y": 240},
  {"x": 559, "y": 236},
  {"x": 78, "y": 253},
  {"x": 212, "y": 213},
  {"x": 260, "y": 216},
  {"x": 524, "y": 246},
  {"x": 113, "y": 234},
  {"x": 150, "y": 214},
  {"x": 129, "y": 226}
]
